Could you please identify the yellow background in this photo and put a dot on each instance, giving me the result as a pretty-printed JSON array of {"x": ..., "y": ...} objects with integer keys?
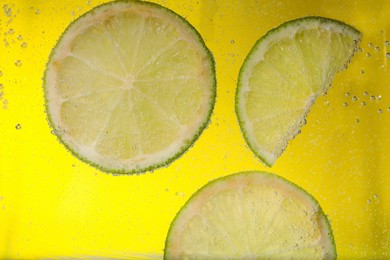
[{"x": 53, "y": 205}]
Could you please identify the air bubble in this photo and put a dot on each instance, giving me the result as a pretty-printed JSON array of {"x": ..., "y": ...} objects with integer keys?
[
  {"x": 5, "y": 102},
  {"x": 372, "y": 97},
  {"x": 379, "y": 97},
  {"x": 18, "y": 63},
  {"x": 388, "y": 109},
  {"x": 365, "y": 93},
  {"x": 357, "y": 120},
  {"x": 369, "y": 201},
  {"x": 345, "y": 104},
  {"x": 37, "y": 11},
  {"x": 361, "y": 71},
  {"x": 18, "y": 126},
  {"x": 377, "y": 48},
  {"x": 23, "y": 45},
  {"x": 354, "y": 98},
  {"x": 363, "y": 103},
  {"x": 368, "y": 54},
  {"x": 387, "y": 43},
  {"x": 232, "y": 41},
  {"x": 370, "y": 44},
  {"x": 376, "y": 196},
  {"x": 380, "y": 111},
  {"x": 11, "y": 31},
  {"x": 1, "y": 73},
  {"x": 347, "y": 94},
  {"x": 20, "y": 37},
  {"x": 388, "y": 55}
]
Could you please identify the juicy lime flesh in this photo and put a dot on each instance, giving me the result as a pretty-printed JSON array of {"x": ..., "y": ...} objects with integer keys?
[
  {"x": 250, "y": 215},
  {"x": 281, "y": 83},
  {"x": 130, "y": 88}
]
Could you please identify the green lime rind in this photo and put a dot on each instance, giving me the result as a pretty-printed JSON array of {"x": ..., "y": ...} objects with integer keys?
[
  {"x": 332, "y": 254},
  {"x": 346, "y": 28},
  {"x": 187, "y": 145}
]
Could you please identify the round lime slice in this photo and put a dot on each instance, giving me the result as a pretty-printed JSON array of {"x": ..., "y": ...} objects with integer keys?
[{"x": 129, "y": 86}]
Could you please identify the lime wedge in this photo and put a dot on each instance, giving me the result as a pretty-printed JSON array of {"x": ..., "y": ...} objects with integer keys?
[
  {"x": 250, "y": 215},
  {"x": 284, "y": 73},
  {"x": 129, "y": 86}
]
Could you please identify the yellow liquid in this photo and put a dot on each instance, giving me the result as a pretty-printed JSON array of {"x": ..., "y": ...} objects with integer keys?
[{"x": 53, "y": 205}]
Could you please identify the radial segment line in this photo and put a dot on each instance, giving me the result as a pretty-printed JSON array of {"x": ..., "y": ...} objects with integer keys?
[
  {"x": 136, "y": 127},
  {"x": 116, "y": 49},
  {"x": 272, "y": 95},
  {"x": 137, "y": 45},
  {"x": 290, "y": 83},
  {"x": 105, "y": 124},
  {"x": 93, "y": 92},
  {"x": 224, "y": 235},
  {"x": 309, "y": 80},
  {"x": 240, "y": 209},
  {"x": 271, "y": 116},
  {"x": 183, "y": 78},
  {"x": 156, "y": 56},
  {"x": 266, "y": 230},
  {"x": 94, "y": 68},
  {"x": 326, "y": 75},
  {"x": 292, "y": 249},
  {"x": 159, "y": 108}
]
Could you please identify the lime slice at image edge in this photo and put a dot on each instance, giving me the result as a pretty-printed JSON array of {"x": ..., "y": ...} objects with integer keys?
[
  {"x": 250, "y": 215},
  {"x": 129, "y": 86},
  {"x": 282, "y": 76}
]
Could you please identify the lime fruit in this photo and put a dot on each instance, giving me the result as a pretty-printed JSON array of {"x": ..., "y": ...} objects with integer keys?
[
  {"x": 129, "y": 86},
  {"x": 250, "y": 215},
  {"x": 282, "y": 76}
]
